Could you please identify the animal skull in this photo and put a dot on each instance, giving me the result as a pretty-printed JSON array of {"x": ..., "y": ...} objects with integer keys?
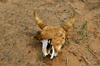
[{"x": 57, "y": 34}]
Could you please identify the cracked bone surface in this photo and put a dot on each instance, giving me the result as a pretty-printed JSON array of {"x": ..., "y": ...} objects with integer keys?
[
  {"x": 44, "y": 46},
  {"x": 47, "y": 51}
]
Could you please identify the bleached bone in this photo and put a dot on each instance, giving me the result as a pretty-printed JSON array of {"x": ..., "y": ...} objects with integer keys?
[
  {"x": 53, "y": 51},
  {"x": 56, "y": 53},
  {"x": 45, "y": 50},
  {"x": 44, "y": 46}
]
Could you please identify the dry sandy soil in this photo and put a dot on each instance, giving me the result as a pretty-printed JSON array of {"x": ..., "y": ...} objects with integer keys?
[{"x": 17, "y": 26}]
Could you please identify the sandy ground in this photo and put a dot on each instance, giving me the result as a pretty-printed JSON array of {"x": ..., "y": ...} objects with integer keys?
[{"x": 17, "y": 25}]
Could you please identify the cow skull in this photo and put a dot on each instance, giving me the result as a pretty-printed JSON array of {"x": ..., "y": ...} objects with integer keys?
[{"x": 57, "y": 34}]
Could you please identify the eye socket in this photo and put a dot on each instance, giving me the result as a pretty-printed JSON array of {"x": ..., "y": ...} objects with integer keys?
[{"x": 62, "y": 37}]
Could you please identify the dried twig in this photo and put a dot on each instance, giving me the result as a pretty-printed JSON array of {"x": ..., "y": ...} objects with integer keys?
[
  {"x": 94, "y": 54},
  {"x": 73, "y": 53},
  {"x": 67, "y": 61},
  {"x": 86, "y": 60}
]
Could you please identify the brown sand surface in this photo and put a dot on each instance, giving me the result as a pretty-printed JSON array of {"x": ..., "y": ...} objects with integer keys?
[{"x": 17, "y": 25}]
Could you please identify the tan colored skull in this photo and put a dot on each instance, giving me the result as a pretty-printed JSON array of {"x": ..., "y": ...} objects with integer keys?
[{"x": 57, "y": 34}]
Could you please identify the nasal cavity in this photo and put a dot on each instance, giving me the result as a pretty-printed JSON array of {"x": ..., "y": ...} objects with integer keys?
[{"x": 49, "y": 44}]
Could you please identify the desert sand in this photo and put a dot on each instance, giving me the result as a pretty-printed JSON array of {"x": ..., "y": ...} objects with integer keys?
[{"x": 17, "y": 26}]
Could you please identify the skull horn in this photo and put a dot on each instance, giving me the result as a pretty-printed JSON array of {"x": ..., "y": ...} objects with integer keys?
[
  {"x": 38, "y": 21},
  {"x": 70, "y": 23}
]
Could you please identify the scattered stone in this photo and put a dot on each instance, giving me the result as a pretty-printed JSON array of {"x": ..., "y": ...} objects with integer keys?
[
  {"x": 19, "y": 61},
  {"x": 22, "y": 25},
  {"x": 29, "y": 51},
  {"x": 62, "y": 20},
  {"x": 83, "y": 0},
  {"x": 65, "y": 18},
  {"x": 65, "y": 10},
  {"x": 80, "y": 60}
]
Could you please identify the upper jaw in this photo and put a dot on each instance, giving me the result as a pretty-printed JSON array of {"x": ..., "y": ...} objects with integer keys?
[{"x": 48, "y": 51}]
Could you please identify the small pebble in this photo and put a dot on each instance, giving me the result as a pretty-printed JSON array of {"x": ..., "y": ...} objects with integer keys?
[
  {"x": 24, "y": 7},
  {"x": 62, "y": 20},
  {"x": 83, "y": 0},
  {"x": 65, "y": 10},
  {"x": 65, "y": 18},
  {"x": 11, "y": 13},
  {"x": 22, "y": 25}
]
